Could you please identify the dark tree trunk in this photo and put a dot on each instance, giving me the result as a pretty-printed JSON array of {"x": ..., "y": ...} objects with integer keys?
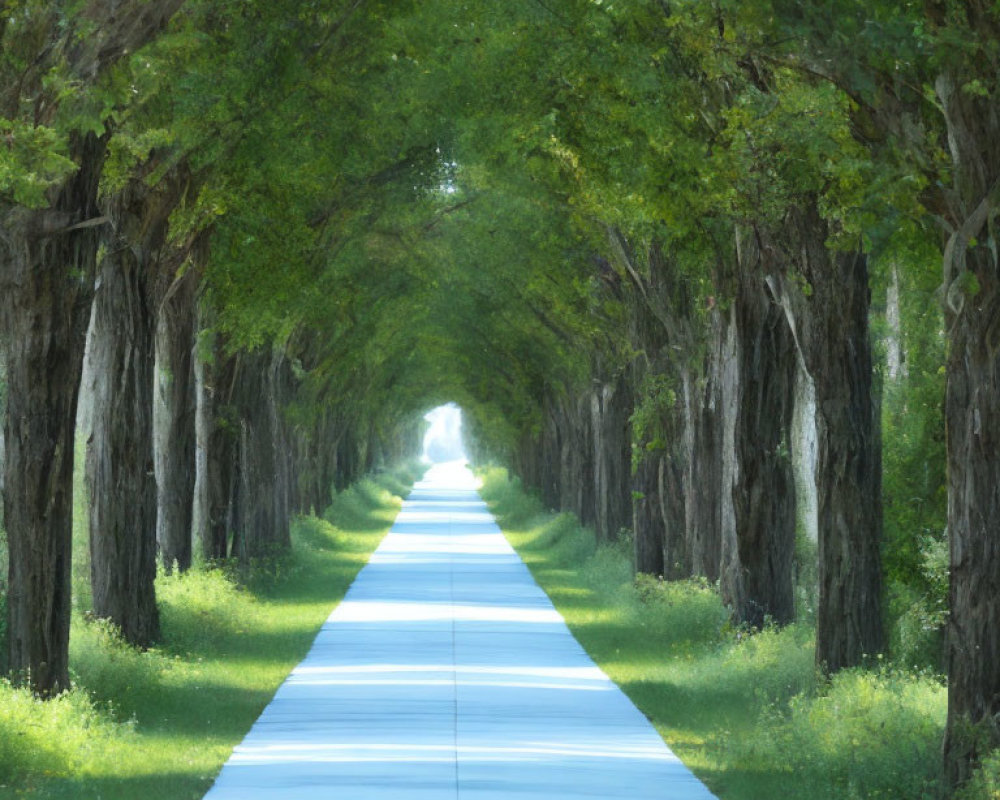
[
  {"x": 282, "y": 391},
  {"x": 610, "y": 410},
  {"x": 972, "y": 415},
  {"x": 527, "y": 466},
  {"x": 670, "y": 477},
  {"x": 575, "y": 465},
  {"x": 848, "y": 470},
  {"x": 647, "y": 518},
  {"x": 320, "y": 446},
  {"x": 550, "y": 457},
  {"x": 216, "y": 438},
  {"x": 120, "y": 479},
  {"x": 263, "y": 513},
  {"x": 764, "y": 489},
  {"x": 48, "y": 273},
  {"x": 832, "y": 330},
  {"x": 703, "y": 443},
  {"x": 174, "y": 422}
]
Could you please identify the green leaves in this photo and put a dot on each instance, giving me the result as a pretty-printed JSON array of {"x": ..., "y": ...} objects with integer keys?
[{"x": 33, "y": 159}]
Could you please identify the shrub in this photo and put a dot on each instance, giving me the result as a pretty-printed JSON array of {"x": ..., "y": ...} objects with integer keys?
[
  {"x": 865, "y": 734},
  {"x": 116, "y": 675},
  {"x": 985, "y": 781},
  {"x": 684, "y": 612},
  {"x": 55, "y": 737}
]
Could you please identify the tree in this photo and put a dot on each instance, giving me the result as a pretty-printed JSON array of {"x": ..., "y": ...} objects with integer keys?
[{"x": 53, "y": 58}]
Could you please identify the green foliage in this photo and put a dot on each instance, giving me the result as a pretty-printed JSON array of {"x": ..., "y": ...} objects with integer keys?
[
  {"x": 54, "y": 737},
  {"x": 866, "y": 734},
  {"x": 33, "y": 158},
  {"x": 680, "y": 614},
  {"x": 649, "y": 420},
  {"x": 985, "y": 781},
  {"x": 914, "y": 476}
]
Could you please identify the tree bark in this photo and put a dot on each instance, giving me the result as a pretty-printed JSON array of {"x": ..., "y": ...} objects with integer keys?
[
  {"x": 262, "y": 527},
  {"x": 120, "y": 465},
  {"x": 832, "y": 331},
  {"x": 549, "y": 454},
  {"x": 704, "y": 448},
  {"x": 972, "y": 418},
  {"x": 576, "y": 448},
  {"x": 174, "y": 422},
  {"x": 48, "y": 274},
  {"x": 647, "y": 518},
  {"x": 120, "y": 479},
  {"x": 610, "y": 409},
  {"x": 804, "y": 452},
  {"x": 670, "y": 477},
  {"x": 764, "y": 489},
  {"x": 216, "y": 425}
]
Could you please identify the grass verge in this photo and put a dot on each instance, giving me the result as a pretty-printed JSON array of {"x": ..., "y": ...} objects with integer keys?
[
  {"x": 159, "y": 724},
  {"x": 745, "y": 711}
]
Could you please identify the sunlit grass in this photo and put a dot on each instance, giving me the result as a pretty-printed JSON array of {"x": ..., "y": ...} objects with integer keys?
[
  {"x": 746, "y": 712},
  {"x": 160, "y": 724}
]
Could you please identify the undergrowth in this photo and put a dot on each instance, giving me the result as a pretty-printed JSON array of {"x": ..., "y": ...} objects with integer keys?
[
  {"x": 160, "y": 723},
  {"x": 746, "y": 710}
]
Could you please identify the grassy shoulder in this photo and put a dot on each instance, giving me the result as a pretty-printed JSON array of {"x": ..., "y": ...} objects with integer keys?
[
  {"x": 746, "y": 711},
  {"x": 159, "y": 724}
]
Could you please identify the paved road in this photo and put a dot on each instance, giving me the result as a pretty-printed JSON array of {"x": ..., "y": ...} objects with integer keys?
[{"x": 447, "y": 673}]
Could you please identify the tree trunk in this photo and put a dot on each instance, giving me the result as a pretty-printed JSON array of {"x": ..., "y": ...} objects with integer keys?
[
  {"x": 575, "y": 459},
  {"x": 610, "y": 409},
  {"x": 120, "y": 480},
  {"x": 120, "y": 471},
  {"x": 201, "y": 511},
  {"x": 804, "y": 452},
  {"x": 703, "y": 445},
  {"x": 550, "y": 457},
  {"x": 263, "y": 514},
  {"x": 670, "y": 477},
  {"x": 764, "y": 489},
  {"x": 174, "y": 422},
  {"x": 647, "y": 519},
  {"x": 832, "y": 331},
  {"x": 848, "y": 472},
  {"x": 972, "y": 417},
  {"x": 215, "y": 491},
  {"x": 48, "y": 272}
]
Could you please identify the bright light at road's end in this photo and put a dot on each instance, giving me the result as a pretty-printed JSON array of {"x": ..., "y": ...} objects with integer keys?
[{"x": 443, "y": 440}]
